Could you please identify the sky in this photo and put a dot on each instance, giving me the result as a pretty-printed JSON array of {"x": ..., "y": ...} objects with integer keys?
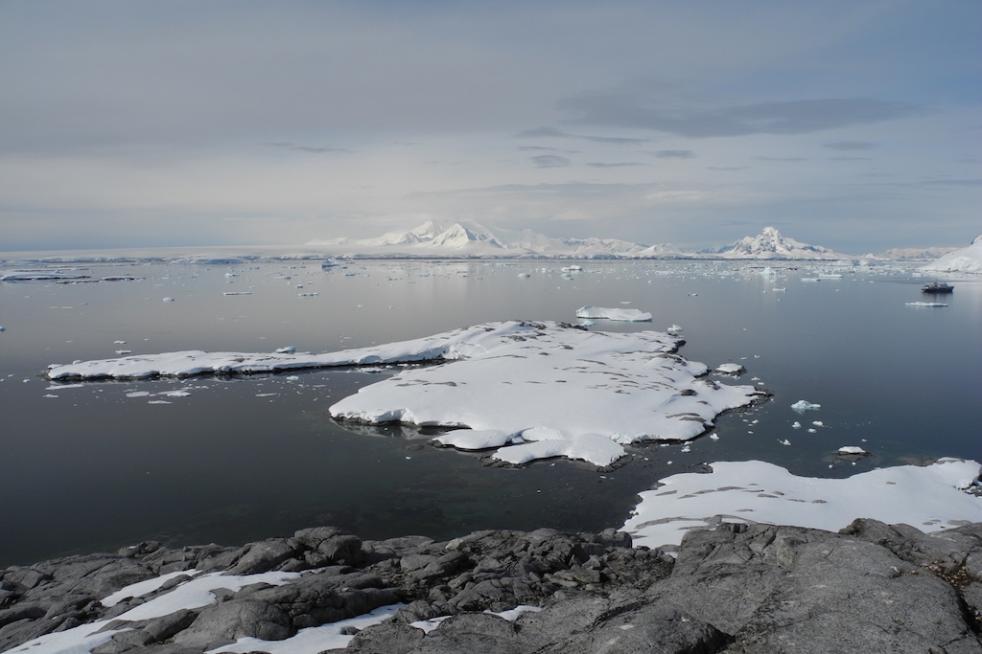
[{"x": 856, "y": 125}]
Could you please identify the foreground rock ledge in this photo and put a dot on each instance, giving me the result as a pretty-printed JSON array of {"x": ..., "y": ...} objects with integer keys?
[{"x": 870, "y": 588}]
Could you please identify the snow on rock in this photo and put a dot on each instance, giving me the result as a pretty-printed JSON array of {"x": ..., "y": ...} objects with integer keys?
[
  {"x": 925, "y": 497},
  {"x": 606, "y": 313},
  {"x": 966, "y": 260},
  {"x": 804, "y": 405},
  {"x": 145, "y": 587},
  {"x": 191, "y": 595},
  {"x": 313, "y": 640},
  {"x": 730, "y": 369},
  {"x": 569, "y": 391}
]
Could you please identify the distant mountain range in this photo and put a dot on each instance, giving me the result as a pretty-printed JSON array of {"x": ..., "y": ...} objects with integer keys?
[{"x": 472, "y": 240}]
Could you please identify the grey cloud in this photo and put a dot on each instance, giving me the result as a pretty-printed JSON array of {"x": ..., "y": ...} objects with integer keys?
[
  {"x": 552, "y": 132},
  {"x": 850, "y": 145},
  {"x": 312, "y": 149},
  {"x": 614, "y": 164},
  {"x": 550, "y": 161},
  {"x": 633, "y": 108},
  {"x": 850, "y": 158},
  {"x": 675, "y": 154},
  {"x": 545, "y": 148},
  {"x": 726, "y": 168},
  {"x": 781, "y": 159}
]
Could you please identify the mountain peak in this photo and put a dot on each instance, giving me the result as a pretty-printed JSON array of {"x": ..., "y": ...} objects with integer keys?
[{"x": 771, "y": 244}]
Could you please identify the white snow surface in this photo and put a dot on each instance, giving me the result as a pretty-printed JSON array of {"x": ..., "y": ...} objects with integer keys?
[
  {"x": 966, "y": 260},
  {"x": 730, "y": 368},
  {"x": 573, "y": 392},
  {"x": 312, "y": 640},
  {"x": 608, "y": 313},
  {"x": 926, "y": 497},
  {"x": 477, "y": 439}
]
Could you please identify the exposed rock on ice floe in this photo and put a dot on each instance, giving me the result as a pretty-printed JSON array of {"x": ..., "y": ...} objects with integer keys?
[
  {"x": 606, "y": 313},
  {"x": 927, "y": 497},
  {"x": 730, "y": 369},
  {"x": 770, "y": 244},
  {"x": 804, "y": 405},
  {"x": 570, "y": 391},
  {"x": 966, "y": 260}
]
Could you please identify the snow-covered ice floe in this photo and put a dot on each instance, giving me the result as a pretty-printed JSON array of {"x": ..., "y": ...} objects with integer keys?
[
  {"x": 608, "y": 313},
  {"x": 929, "y": 497},
  {"x": 536, "y": 390},
  {"x": 540, "y": 390},
  {"x": 730, "y": 369},
  {"x": 927, "y": 305},
  {"x": 445, "y": 346}
]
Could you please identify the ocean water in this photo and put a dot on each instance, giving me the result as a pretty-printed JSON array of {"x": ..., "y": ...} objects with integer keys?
[{"x": 107, "y": 464}]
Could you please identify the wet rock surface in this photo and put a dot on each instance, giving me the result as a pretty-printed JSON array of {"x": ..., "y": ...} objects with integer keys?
[{"x": 737, "y": 588}]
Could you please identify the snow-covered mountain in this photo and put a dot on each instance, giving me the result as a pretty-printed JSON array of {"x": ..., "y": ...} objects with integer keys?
[
  {"x": 771, "y": 244},
  {"x": 432, "y": 239},
  {"x": 472, "y": 240},
  {"x": 915, "y": 254},
  {"x": 966, "y": 260}
]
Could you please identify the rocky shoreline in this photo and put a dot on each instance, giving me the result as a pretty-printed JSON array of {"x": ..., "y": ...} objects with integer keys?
[{"x": 736, "y": 588}]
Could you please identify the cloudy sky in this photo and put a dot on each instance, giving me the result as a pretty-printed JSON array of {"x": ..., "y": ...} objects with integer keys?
[{"x": 857, "y": 125}]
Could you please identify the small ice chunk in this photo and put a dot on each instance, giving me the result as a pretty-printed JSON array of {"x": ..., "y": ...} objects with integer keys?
[
  {"x": 804, "y": 405},
  {"x": 785, "y": 442},
  {"x": 795, "y": 425},
  {"x": 714, "y": 436},
  {"x": 852, "y": 450},
  {"x": 730, "y": 369},
  {"x": 167, "y": 299},
  {"x": 818, "y": 423},
  {"x": 674, "y": 330},
  {"x": 289, "y": 349}
]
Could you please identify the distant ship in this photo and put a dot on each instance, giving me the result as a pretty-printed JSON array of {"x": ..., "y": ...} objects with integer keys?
[{"x": 937, "y": 288}]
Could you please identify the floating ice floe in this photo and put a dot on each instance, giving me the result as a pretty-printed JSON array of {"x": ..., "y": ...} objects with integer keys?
[
  {"x": 927, "y": 305},
  {"x": 167, "y": 299},
  {"x": 730, "y": 369},
  {"x": 608, "y": 313},
  {"x": 477, "y": 439},
  {"x": 929, "y": 498},
  {"x": 42, "y": 275},
  {"x": 852, "y": 450},
  {"x": 565, "y": 391},
  {"x": 804, "y": 405}
]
